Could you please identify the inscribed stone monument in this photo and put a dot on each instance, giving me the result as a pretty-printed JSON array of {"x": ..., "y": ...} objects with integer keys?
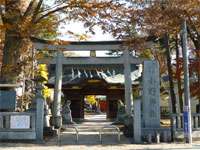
[{"x": 151, "y": 95}]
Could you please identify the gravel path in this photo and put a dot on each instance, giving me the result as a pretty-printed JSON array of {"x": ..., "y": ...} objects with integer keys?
[{"x": 99, "y": 147}]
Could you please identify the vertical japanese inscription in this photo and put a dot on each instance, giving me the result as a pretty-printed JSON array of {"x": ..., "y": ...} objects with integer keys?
[{"x": 151, "y": 94}]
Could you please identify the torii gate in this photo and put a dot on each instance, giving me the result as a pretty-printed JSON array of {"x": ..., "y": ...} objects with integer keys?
[{"x": 126, "y": 60}]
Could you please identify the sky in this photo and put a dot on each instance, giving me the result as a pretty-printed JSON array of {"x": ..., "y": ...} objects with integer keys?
[{"x": 78, "y": 28}]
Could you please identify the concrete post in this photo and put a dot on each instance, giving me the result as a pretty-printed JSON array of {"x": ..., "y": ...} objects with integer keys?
[
  {"x": 57, "y": 118},
  {"x": 157, "y": 138},
  {"x": 165, "y": 136},
  {"x": 128, "y": 82},
  {"x": 149, "y": 138},
  {"x": 1, "y": 122},
  {"x": 137, "y": 121},
  {"x": 39, "y": 118}
]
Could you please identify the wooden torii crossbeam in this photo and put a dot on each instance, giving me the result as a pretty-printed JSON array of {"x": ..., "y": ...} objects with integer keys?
[{"x": 92, "y": 60}]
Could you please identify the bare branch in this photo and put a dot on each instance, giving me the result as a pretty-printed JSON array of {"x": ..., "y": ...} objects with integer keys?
[
  {"x": 28, "y": 10},
  {"x": 50, "y": 12},
  {"x": 36, "y": 11},
  {"x": 1, "y": 11},
  {"x": 2, "y": 15},
  {"x": 51, "y": 8}
]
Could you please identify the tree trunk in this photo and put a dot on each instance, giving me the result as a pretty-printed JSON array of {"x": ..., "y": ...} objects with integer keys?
[
  {"x": 178, "y": 76},
  {"x": 11, "y": 58},
  {"x": 170, "y": 74},
  {"x": 13, "y": 42},
  {"x": 171, "y": 84}
]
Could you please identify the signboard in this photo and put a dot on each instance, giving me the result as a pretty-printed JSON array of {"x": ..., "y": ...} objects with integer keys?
[{"x": 20, "y": 122}]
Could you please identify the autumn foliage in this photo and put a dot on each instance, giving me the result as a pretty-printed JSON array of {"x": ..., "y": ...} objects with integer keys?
[{"x": 24, "y": 19}]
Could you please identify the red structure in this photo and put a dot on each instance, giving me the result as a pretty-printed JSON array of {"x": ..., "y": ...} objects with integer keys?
[{"x": 103, "y": 105}]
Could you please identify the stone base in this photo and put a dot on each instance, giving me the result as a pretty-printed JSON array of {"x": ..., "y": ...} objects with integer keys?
[
  {"x": 49, "y": 131},
  {"x": 165, "y": 134},
  {"x": 56, "y": 121},
  {"x": 128, "y": 126},
  {"x": 128, "y": 131}
]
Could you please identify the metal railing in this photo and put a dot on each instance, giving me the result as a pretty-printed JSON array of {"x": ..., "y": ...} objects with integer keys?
[
  {"x": 66, "y": 127},
  {"x": 109, "y": 127}
]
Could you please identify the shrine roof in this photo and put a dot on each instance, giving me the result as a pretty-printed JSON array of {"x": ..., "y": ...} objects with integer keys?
[{"x": 74, "y": 76}]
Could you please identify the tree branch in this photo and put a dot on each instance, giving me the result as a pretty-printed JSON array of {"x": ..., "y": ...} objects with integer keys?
[
  {"x": 28, "y": 10},
  {"x": 36, "y": 11},
  {"x": 193, "y": 27},
  {"x": 50, "y": 12},
  {"x": 53, "y": 7},
  {"x": 1, "y": 12}
]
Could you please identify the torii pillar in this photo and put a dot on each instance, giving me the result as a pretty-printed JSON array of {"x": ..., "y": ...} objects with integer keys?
[{"x": 57, "y": 117}]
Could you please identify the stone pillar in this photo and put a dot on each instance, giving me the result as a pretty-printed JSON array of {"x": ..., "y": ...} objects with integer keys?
[
  {"x": 39, "y": 124},
  {"x": 57, "y": 118},
  {"x": 151, "y": 94},
  {"x": 128, "y": 82},
  {"x": 137, "y": 121}
]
